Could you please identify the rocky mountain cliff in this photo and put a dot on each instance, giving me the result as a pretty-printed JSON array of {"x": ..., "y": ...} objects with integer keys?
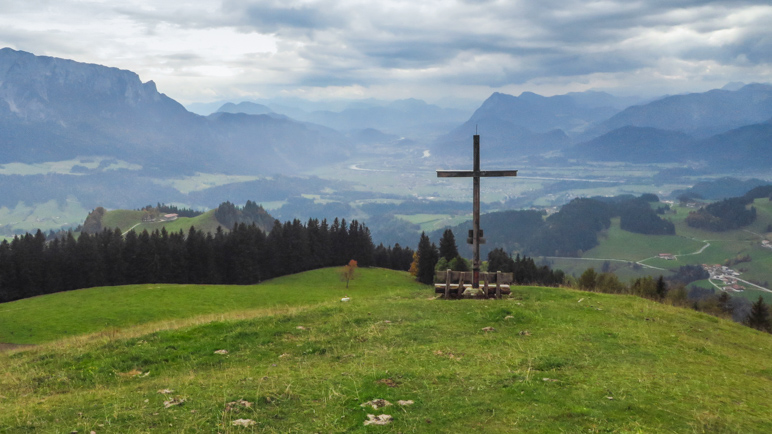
[{"x": 53, "y": 109}]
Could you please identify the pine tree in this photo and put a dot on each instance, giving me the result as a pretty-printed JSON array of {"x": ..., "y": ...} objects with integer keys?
[
  {"x": 758, "y": 318},
  {"x": 498, "y": 260},
  {"x": 588, "y": 279},
  {"x": 427, "y": 259},
  {"x": 448, "y": 248},
  {"x": 661, "y": 288}
]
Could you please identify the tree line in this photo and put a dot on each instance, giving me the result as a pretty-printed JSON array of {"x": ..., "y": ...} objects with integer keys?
[
  {"x": 30, "y": 265},
  {"x": 429, "y": 258}
]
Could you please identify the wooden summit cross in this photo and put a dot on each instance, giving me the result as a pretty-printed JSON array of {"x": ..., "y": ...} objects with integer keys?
[{"x": 476, "y": 234}]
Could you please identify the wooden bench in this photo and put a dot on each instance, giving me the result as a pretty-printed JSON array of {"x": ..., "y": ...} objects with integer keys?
[{"x": 454, "y": 283}]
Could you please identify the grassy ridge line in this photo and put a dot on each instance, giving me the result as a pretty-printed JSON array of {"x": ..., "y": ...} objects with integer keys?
[
  {"x": 588, "y": 362},
  {"x": 66, "y": 314}
]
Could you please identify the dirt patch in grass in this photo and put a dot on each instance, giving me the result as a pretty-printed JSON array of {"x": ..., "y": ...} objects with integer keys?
[{"x": 8, "y": 347}]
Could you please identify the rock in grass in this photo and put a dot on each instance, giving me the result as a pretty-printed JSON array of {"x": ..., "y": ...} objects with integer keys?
[
  {"x": 243, "y": 422},
  {"x": 381, "y": 419},
  {"x": 236, "y": 404},
  {"x": 221, "y": 352},
  {"x": 174, "y": 401},
  {"x": 488, "y": 329},
  {"x": 404, "y": 403},
  {"x": 376, "y": 404}
]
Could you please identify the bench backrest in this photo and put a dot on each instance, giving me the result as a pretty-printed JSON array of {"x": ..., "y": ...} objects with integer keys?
[{"x": 467, "y": 277}]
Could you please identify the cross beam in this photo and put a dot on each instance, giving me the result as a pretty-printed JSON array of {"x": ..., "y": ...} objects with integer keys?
[{"x": 476, "y": 174}]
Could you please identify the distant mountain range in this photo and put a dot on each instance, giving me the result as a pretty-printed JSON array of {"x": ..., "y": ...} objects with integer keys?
[
  {"x": 729, "y": 128},
  {"x": 54, "y": 109},
  {"x": 401, "y": 117},
  {"x": 720, "y": 128},
  {"x": 530, "y": 123},
  {"x": 698, "y": 114}
]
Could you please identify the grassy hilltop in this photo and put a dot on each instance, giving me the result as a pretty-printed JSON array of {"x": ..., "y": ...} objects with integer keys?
[
  {"x": 129, "y": 219},
  {"x": 556, "y": 360}
]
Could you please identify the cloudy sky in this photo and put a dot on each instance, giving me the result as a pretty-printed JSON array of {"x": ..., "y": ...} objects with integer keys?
[{"x": 207, "y": 50}]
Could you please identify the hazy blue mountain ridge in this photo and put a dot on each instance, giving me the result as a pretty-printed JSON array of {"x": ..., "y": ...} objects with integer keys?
[
  {"x": 245, "y": 107},
  {"x": 54, "y": 109},
  {"x": 635, "y": 144},
  {"x": 699, "y": 114},
  {"x": 529, "y": 124},
  {"x": 747, "y": 147}
]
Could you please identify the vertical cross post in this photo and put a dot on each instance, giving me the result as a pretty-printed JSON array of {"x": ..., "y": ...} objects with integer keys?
[
  {"x": 476, "y": 215},
  {"x": 476, "y": 239}
]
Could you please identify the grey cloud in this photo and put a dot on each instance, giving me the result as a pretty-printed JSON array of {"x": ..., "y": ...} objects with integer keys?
[
  {"x": 273, "y": 17},
  {"x": 332, "y": 43}
]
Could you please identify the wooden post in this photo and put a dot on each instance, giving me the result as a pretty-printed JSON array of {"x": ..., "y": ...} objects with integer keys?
[
  {"x": 486, "y": 278},
  {"x": 498, "y": 284},
  {"x": 447, "y": 283},
  {"x": 476, "y": 213}
]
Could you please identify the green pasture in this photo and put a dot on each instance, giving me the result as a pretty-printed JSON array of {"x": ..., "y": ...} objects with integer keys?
[
  {"x": 205, "y": 222},
  {"x": 128, "y": 219},
  {"x": 42, "y": 319},
  {"x": 624, "y": 270},
  {"x": 432, "y": 222},
  {"x": 45, "y": 216},
  {"x": 543, "y": 360},
  {"x": 616, "y": 243},
  {"x": 620, "y": 244}
]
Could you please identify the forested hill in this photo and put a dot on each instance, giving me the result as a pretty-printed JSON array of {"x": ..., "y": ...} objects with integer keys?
[
  {"x": 568, "y": 232},
  {"x": 31, "y": 266},
  {"x": 728, "y": 214}
]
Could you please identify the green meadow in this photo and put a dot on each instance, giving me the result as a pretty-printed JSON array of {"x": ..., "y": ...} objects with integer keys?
[
  {"x": 432, "y": 222},
  {"x": 128, "y": 219},
  {"x": 300, "y": 360},
  {"x": 688, "y": 243}
]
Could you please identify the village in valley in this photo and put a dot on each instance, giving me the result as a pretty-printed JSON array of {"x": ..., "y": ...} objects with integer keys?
[{"x": 726, "y": 275}]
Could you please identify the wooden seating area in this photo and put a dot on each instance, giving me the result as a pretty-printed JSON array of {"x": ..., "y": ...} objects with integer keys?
[{"x": 454, "y": 283}]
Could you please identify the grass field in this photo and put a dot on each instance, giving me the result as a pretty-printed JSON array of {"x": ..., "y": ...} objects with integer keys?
[
  {"x": 556, "y": 361},
  {"x": 432, "y": 222},
  {"x": 619, "y": 244},
  {"x": 128, "y": 219},
  {"x": 622, "y": 245},
  {"x": 45, "y": 216},
  {"x": 42, "y": 319}
]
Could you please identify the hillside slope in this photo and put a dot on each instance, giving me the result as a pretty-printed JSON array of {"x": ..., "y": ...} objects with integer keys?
[{"x": 556, "y": 360}]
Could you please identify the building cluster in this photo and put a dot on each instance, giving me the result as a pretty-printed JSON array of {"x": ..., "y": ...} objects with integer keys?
[
  {"x": 149, "y": 218},
  {"x": 726, "y": 275}
]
